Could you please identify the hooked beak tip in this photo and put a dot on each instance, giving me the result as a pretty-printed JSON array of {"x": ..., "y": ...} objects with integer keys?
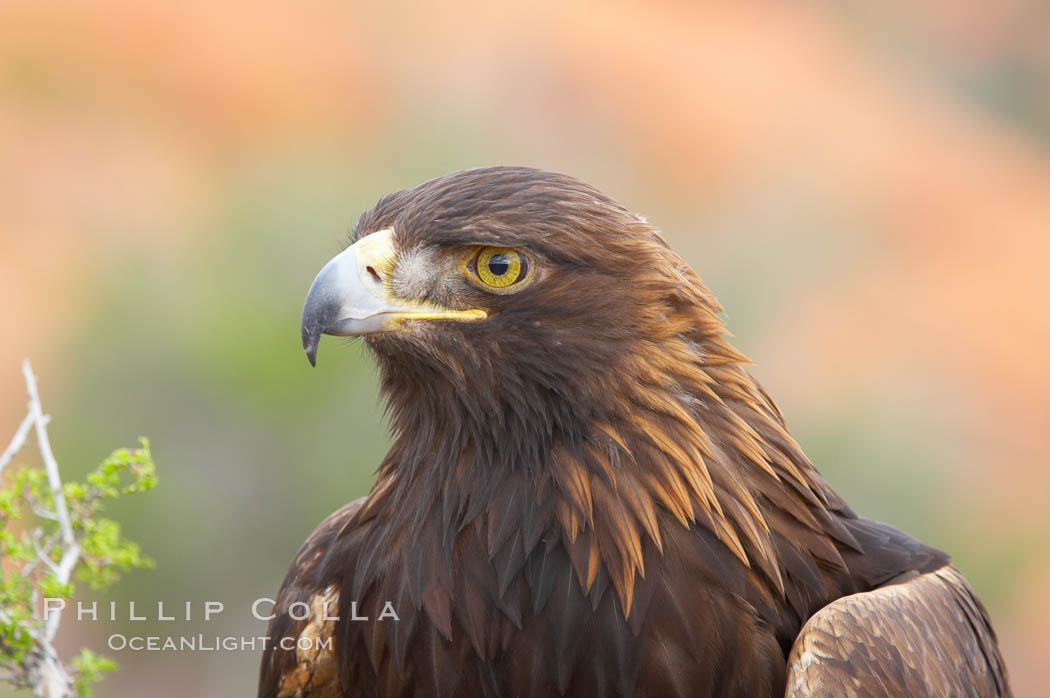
[{"x": 311, "y": 340}]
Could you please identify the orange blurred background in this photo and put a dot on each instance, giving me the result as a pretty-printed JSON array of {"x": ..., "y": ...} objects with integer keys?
[{"x": 865, "y": 185}]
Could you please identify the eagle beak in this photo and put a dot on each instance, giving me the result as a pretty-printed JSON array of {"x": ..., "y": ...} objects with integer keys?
[{"x": 353, "y": 295}]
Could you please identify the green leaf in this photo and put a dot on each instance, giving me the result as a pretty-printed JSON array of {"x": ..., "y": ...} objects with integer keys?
[{"x": 91, "y": 667}]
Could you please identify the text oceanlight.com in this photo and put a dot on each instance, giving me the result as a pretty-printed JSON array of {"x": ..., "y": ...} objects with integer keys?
[{"x": 200, "y": 643}]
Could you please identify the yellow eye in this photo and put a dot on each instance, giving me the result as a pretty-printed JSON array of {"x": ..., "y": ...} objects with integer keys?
[{"x": 500, "y": 267}]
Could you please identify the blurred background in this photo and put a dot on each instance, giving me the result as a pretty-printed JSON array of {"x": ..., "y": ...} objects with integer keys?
[{"x": 865, "y": 185}]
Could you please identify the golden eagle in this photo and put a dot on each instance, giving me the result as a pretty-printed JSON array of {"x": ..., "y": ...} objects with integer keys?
[{"x": 587, "y": 493}]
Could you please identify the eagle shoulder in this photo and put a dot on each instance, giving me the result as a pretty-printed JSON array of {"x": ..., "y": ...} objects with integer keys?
[
  {"x": 300, "y": 659},
  {"x": 917, "y": 635}
]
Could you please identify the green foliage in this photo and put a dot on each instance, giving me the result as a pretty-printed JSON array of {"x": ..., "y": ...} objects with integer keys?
[
  {"x": 91, "y": 667},
  {"x": 32, "y": 550},
  {"x": 104, "y": 552},
  {"x": 15, "y": 636}
]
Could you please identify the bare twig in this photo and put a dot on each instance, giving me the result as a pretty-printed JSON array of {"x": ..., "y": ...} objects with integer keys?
[
  {"x": 42, "y": 512},
  {"x": 44, "y": 554},
  {"x": 46, "y": 548},
  {"x": 47, "y": 676},
  {"x": 17, "y": 442},
  {"x": 53, "y": 478}
]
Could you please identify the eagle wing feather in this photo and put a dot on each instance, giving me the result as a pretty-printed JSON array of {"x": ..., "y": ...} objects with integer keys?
[{"x": 919, "y": 635}]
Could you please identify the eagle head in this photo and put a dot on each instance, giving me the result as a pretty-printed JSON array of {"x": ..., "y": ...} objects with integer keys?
[{"x": 516, "y": 293}]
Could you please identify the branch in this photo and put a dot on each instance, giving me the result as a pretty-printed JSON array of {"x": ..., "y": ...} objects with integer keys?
[
  {"x": 17, "y": 442},
  {"x": 42, "y": 512},
  {"x": 44, "y": 554},
  {"x": 48, "y": 677},
  {"x": 53, "y": 478},
  {"x": 45, "y": 548}
]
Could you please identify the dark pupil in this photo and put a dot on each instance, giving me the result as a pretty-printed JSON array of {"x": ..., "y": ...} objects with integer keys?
[{"x": 499, "y": 264}]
